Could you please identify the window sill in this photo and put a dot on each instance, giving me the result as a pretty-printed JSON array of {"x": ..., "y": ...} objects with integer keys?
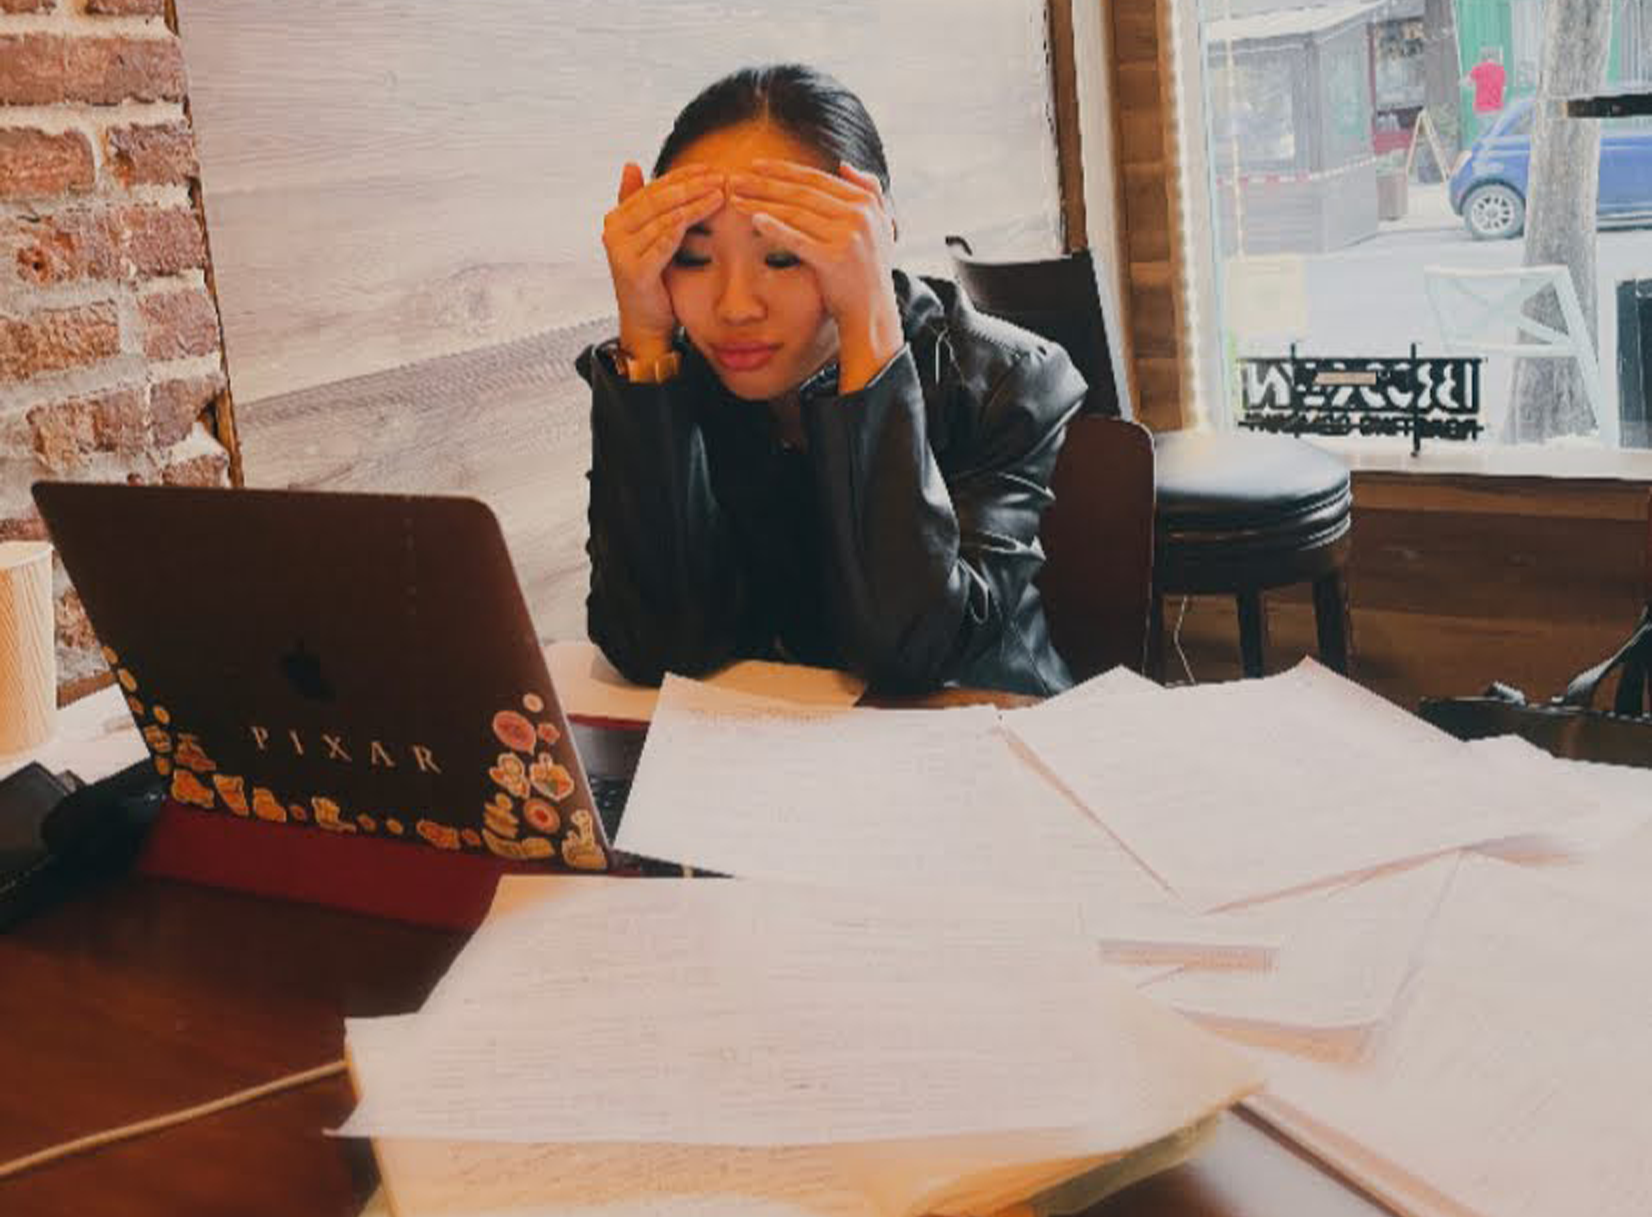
[
  {"x": 1578, "y": 483},
  {"x": 1492, "y": 460}
]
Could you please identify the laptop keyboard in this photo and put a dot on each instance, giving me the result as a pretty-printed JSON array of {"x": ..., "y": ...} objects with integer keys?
[{"x": 609, "y": 793}]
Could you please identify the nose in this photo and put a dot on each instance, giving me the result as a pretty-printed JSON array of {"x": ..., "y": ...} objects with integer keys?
[{"x": 739, "y": 298}]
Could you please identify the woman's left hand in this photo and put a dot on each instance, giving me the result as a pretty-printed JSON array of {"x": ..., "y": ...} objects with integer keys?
[{"x": 840, "y": 227}]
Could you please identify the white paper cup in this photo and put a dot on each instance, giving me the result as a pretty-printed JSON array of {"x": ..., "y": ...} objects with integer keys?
[{"x": 28, "y": 646}]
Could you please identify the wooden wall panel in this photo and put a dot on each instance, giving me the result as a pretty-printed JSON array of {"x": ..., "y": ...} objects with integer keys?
[{"x": 1538, "y": 580}]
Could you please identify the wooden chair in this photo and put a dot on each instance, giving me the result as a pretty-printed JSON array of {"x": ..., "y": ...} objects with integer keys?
[
  {"x": 1097, "y": 580},
  {"x": 1056, "y": 298},
  {"x": 1236, "y": 513}
]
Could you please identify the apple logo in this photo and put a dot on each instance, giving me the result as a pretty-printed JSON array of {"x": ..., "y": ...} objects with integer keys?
[{"x": 302, "y": 669}]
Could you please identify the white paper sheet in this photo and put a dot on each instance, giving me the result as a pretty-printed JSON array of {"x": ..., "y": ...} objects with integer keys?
[
  {"x": 587, "y": 686},
  {"x": 1239, "y": 792},
  {"x": 736, "y": 1013},
  {"x": 1344, "y": 954},
  {"x": 1622, "y": 874},
  {"x": 1114, "y": 683},
  {"x": 890, "y": 799},
  {"x": 487, "y": 1179},
  {"x": 1513, "y": 1079},
  {"x": 905, "y": 1179},
  {"x": 1592, "y": 806}
]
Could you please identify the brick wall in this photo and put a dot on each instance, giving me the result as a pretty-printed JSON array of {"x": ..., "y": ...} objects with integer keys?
[{"x": 109, "y": 337}]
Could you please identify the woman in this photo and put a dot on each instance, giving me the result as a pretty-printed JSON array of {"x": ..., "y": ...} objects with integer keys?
[{"x": 799, "y": 452}]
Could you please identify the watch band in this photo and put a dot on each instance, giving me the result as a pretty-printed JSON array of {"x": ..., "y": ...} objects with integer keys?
[{"x": 646, "y": 371}]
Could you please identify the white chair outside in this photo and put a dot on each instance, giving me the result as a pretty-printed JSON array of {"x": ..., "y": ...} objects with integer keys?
[{"x": 1478, "y": 311}]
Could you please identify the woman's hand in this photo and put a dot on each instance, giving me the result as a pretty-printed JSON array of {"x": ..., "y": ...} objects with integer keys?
[
  {"x": 641, "y": 236},
  {"x": 841, "y": 228}
]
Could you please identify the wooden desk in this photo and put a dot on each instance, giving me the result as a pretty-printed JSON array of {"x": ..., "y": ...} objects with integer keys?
[{"x": 147, "y": 996}]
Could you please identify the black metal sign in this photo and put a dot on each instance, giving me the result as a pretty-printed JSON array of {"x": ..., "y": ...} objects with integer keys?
[{"x": 1422, "y": 398}]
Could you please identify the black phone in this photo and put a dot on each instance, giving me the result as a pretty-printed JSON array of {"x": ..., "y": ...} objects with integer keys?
[
  {"x": 28, "y": 868},
  {"x": 56, "y": 832}
]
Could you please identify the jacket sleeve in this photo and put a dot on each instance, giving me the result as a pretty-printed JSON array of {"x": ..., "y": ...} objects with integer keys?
[
  {"x": 666, "y": 592},
  {"x": 926, "y": 571}
]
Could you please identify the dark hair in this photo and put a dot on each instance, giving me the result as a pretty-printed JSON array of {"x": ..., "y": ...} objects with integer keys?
[{"x": 807, "y": 104}]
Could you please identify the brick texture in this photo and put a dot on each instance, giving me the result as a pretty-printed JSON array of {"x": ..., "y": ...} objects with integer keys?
[
  {"x": 209, "y": 470},
  {"x": 55, "y": 339},
  {"x": 74, "y": 629},
  {"x": 28, "y": 527},
  {"x": 160, "y": 154},
  {"x": 117, "y": 243},
  {"x": 126, "y": 8},
  {"x": 36, "y": 164},
  {"x": 179, "y": 324},
  {"x": 131, "y": 420},
  {"x": 45, "y": 69},
  {"x": 99, "y": 285},
  {"x": 174, "y": 405}
]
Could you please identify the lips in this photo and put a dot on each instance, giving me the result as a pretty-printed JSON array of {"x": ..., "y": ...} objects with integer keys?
[{"x": 744, "y": 356}]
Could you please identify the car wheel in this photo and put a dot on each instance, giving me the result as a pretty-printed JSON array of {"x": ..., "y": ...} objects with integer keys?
[{"x": 1494, "y": 212}]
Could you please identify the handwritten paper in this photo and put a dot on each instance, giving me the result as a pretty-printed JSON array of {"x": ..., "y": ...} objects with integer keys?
[
  {"x": 1513, "y": 1079},
  {"x": 1243, "y": 791},
  {"x": 749, "y": 1014},
  {"x": 957, "y": 1178},
  {"x": 587, "y": 686},
  {"x": 895, "y": 798},
  {"x": 486, "y": 1179},
  {"x": 1343, "y": 955}
]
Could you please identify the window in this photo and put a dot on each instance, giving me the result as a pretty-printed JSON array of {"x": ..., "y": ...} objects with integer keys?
[{"x": 1370, "y": 195}]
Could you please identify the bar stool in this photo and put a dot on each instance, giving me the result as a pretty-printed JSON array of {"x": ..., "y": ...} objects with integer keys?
[
  {"x": 1240, "y": 513},
  {"x": 1237, "y": 513}
]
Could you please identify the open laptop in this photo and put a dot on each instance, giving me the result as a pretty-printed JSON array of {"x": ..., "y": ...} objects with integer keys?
[{"x": 350, "y": 663}]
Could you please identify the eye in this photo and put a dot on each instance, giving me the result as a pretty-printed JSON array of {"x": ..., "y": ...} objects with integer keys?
[
  {"x": 683, "y": 258},
  {"x": 780, "y": 260}
]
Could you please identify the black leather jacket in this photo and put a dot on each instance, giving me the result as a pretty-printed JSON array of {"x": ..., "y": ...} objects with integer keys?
[{"x": 901, "y": 543}]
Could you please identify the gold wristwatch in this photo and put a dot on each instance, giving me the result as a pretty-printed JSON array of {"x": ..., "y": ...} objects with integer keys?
[{"x": 646, "y": 371}]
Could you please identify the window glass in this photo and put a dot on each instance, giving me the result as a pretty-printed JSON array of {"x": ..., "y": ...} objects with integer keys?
[{"x": 1362, "y": 212}]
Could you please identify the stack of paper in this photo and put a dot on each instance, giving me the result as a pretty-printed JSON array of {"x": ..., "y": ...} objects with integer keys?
[
  {"x": 1239, "y": 792},
  {"x": 1512, "y": 1081},
  {"x": 889, "y": 799},
  {"x": 772, "y": 1048},
  {"x": 1292, "y": 862}
]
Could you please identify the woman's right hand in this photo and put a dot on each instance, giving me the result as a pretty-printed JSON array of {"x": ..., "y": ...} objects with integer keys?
[{"x": 641, "y": 236}]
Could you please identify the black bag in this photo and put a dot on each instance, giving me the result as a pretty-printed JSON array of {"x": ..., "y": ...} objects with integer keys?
[{"x": 1569, "y": 725}]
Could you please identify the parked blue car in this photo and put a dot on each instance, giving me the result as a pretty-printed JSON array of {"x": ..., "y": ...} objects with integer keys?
[{"x": 1488, "y": 188}]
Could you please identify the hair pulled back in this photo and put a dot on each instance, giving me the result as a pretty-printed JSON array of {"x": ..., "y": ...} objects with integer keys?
[{"x": 807, "y": 104}]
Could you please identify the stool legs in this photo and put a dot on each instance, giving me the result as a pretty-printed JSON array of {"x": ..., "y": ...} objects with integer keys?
[
  {"x": 1253, "y": 631},
  {"x": 1331, "y": 620}
]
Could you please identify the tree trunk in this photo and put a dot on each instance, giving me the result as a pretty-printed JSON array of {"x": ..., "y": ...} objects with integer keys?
[
  {"x": 1564, "y": 188},
  {"x": 1442, "y": 70},
  {"x": 1638, "y": 46}
]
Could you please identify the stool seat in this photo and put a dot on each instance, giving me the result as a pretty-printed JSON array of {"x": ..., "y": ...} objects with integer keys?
[
  {"x": 1243, "y": 508},
  {"x": 1242, "y": 512}
]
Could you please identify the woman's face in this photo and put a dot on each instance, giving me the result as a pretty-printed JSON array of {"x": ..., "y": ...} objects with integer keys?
[{"x": 747, "y": 304}]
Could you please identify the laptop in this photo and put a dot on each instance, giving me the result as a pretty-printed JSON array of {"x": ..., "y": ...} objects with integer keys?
[{"x": 355, "y": 664}]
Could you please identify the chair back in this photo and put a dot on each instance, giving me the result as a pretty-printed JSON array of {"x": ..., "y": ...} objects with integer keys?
[
  {"x": 1055, "y": 298},
  {"x": 1097, "y": 580}
]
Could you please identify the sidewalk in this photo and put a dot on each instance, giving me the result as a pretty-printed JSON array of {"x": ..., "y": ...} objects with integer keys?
[{"x": 1427, "y": 208}]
